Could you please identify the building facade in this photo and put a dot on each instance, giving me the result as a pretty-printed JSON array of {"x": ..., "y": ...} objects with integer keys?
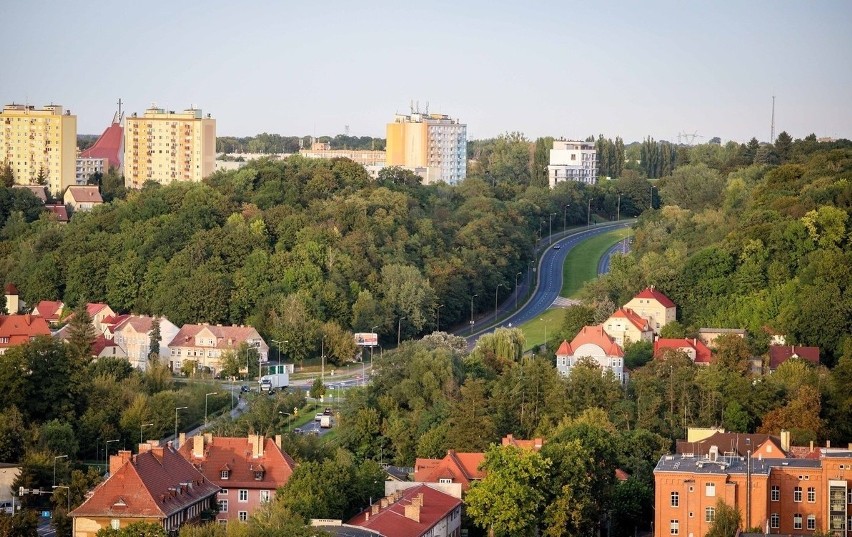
[
  {"x": 573, "y": 160},
  {"x": 107, "y": 152},
  {"x": 204, "y": 344},
  {"x": 40, "y": 144},
  {"x": 592, "y": 342},
  {"x": 430, "y": 143},
  {"x": 82, "y": 198},
  {"x": 654, "y": 306},
  {"x": 165, "y": 147},
  {"x": 133, "y": 335},
  {"x": 625, "y": 326},
  {"x": 417, "y": 511}
]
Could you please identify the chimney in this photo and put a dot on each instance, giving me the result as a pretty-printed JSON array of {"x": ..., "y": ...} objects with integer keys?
[
  {"x": 118, "y": 460},
  {"x": 374, "y": 509},
  {"x": 384, "y": 503},
  {"x": 785, "y": 440},
  {"x": 208, "y": 438},
  {"x": 367, "y": 516},
  {"x": 197, "y": 447},
  {"x": 412, "y": 511},
  {"x": 278, "y": 440},
  {"x": 812, "y": 446},
  {"x": 258, "y": 446},
  {"x": 181, "y": 440},
  {"x": 828, "y": 443},
  {"x": 144, "y": 447},
  {"x": 157, "y": 451}
]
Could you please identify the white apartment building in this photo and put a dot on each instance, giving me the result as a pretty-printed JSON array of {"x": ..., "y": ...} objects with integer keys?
[
  {"x": 432, "y": 143},
  {"x": 572, "y": 160}
]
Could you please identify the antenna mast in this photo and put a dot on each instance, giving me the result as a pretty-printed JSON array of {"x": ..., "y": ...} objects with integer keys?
[{"x": 772, "y": 131}]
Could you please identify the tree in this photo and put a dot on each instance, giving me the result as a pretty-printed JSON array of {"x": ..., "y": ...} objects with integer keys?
[
  {"x": 783, "y": 146},
  {"x": 727, "y": 521},
  {"x": 81, "y": 335},
  {"x": 471, "y": 428},
  {"x": 156, "y": 337},
  {"x": 7, "y": 176},
  {"x": 136, "y": 529}
]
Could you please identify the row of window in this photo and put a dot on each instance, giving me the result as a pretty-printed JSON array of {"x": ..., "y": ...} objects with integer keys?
[{"x": 775, "y": 494}]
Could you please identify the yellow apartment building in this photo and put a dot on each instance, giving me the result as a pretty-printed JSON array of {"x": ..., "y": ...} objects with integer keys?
[
  {"x": 39, "y": 141},
  {"x": 165, "y": 146},
  {"x": 432, "y": 145}
]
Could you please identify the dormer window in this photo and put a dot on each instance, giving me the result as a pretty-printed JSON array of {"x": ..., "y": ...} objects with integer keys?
[
  {"x": 225, "y": 474},
  {"x": 258, "y": 475}
]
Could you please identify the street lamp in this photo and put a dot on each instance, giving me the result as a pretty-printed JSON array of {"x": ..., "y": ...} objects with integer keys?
[
  {"x": 651, "y": 203},
  {"x": 565, "y": 217},
  {"x": 54, "y": 465},
  {"x": 106, "y": 452},
  {"x": 618, "y": 209},
  {"x": 589, "y": 214},
  {"x": 399, "y": 331},
  {"x": 438, "y": 322},
  {"x": 142, "y": 427},
  {"x": 176, "y": 424},
  {"x": 278, "y": 346},
  {"x": 545, "y": 321},
  {"x": 322, "y": 357},
  {"x": 206, "y": 396},
  {"x": 471, "y": 313},
  {"x": 67, "y": 495},
  {"x": 550, "y": 228},
  {"x": 516, "y": 289},
  {"x": 495, "y": 300},
  {"x": 288, "y": 419}
]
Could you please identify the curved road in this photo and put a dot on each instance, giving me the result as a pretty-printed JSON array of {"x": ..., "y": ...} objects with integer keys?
[
  {"x": 622, "y": 246},
  {"x": 550, "y": 279}
]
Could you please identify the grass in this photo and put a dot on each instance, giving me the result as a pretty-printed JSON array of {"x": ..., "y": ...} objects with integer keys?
[
  {"x": 534, "y": 330},
  {"x": 581, "y": 264}
]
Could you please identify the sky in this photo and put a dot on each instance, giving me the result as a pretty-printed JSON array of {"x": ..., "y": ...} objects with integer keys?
[{"x": 564, "y": 69}]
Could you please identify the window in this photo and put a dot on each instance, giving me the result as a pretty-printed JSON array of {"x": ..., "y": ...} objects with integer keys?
[
  {"x": 811, "y": 522},
  {"x": 811, "y": 495},
  {"x": 224, "y": 474},
  {"x": 710, "y": 489},
  {"x": 774, "y": 520},
  {"x": 445, "y": 480},
  {"x": 675, "y": 499},
  {"x": 243, "y": 495},
  {"x": 223, "y": 492},
  {"x": 264, "y": 496},
  {"x": 775, "y": 493},
  {"x": 243, "y": 516},
  {"x": 674, "y": 527},
  {"x": 223, "y": 506},
  {"x": 709, "y": 514},
  {"x": 115, "y": 523},
  {"x": 797, "y": 521},
  {"x": 797, "y": 494}
]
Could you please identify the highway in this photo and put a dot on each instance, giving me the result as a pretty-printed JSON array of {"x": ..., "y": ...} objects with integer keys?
[{"x": 549, "y": 282}]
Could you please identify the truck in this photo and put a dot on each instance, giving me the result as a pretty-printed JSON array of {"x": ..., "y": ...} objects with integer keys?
[
  {"x": 325, "y": 421},
  {"x": 277, "y": 378}
]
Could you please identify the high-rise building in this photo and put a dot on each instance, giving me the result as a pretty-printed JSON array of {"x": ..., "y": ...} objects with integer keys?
[
  {"x": 40, "y": 145},
  {"x": 572, "y": 160},
  {"x": 432, "y": 145},
  {"x": 164, "y": 147}
]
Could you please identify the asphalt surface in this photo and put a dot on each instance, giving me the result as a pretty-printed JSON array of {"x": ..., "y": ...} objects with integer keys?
[{"x": 622, "y": 247}]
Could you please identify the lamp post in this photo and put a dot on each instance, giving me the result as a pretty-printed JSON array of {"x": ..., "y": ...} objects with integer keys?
[
  {"x": 516, "y": 289},
  {"x": 550, "y": 229},
  {"x": 142, "y": 427},
  {"x": 278, "y": 346},
  {"x": 545, "y": 321},
  {"x": 399, "y": 331},
  {"x": 438, "y": 312},
  {"x": 206, "y": 398},
  {"x": 67, "y": 495},
  {"x": 288, "y": 419},
  {"x": 495, "y": 300},
  {"x": 651, "y": 203},
  {"x": 589, "y": 214},
  {"x": 565, "y": 217},
  {"x": 618, "y": 209},
  {"x": 106, "y": 452},
  {"x": 322, "y": 357},
  {"x": 471, "y": 313},
  {"x": 175, "y": 441},
  {"x": 54, "y": 465},
  {"x": 540, "y": 223}
]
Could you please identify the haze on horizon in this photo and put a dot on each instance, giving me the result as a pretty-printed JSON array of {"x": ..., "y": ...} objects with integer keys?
[{"x": 553, "y": 68}]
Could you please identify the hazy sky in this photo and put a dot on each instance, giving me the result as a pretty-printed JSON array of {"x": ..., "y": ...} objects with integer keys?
[{"x": 542, "y": 68}]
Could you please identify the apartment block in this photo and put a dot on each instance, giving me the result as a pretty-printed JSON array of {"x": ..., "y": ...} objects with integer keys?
[
  {"x": 39, "y": 143},
  {"x": 165, "y": 147},
  {"x": 432, "y": 145},
  {"x": 573, "y": 160}
]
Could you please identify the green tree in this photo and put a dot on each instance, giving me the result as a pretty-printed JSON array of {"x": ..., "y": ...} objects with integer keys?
[
  {"x": 727, "y": 521},
  {"x": 81, "y": 335},
  {"x": 136, "y": 529},
  {"x": 7, "y": 176},
  {"x": 471, "y": 428},
  {"x": 156, "y": 337}
]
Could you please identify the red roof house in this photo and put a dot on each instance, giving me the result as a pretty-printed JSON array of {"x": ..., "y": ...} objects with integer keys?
[
  {"x": 453, "y": 468},
  {"x": 49, "y": 310},
  {"x": 697, "y": 351},
  {"x": 413, "y": 512},
  {"x": 19, "y": 329},
  {"x": 778, "y": 354},
  {"x": 59, "y": 211},
  {"x": 591, "y": 342},
  {"x": 110, "y": 145},
  {"x": 248, "y": 470},
  {"x": 155, "y": 486},
  {"x": 654, "y": 306}
]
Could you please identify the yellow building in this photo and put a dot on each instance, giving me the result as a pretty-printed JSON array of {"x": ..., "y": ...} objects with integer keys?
[
  {"x": 39, "y": 141},
  {"x": 164, "y": 146},
  {"x": 432, "y": 145}
]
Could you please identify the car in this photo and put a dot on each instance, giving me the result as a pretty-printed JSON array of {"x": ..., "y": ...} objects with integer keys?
[
  {"x": 318, "y": 417},
  {"x": 245, "y": 389},
  {"x": 557, "y": 246},
  {"x": 327, "y": 411},
  {"x": 297, "y": 430},
  {"x": 6, "y": 507}
]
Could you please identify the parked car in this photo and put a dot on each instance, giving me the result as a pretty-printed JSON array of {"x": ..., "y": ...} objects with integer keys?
[
  {"x": 318, "y": 417},
  {"x": 297, "y": 430},
  {"x": 327, "y": 411},
  {"x": 245, "y": 389}
]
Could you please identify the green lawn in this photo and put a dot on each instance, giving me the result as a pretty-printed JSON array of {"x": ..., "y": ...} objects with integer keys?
[
  {"x": 581, "y": 265},
  {"x": 534, "y": 330}
]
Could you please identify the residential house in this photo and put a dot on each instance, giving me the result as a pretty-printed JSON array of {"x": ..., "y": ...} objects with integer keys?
[
  {"x": 82, "y": 198},
  {"x": 14, "y": 304},
  {"x": 697, "y": 351},
  {"x": 98, "y": 312},
  {"x": 133, "y": 335},
  {"x": 205, "y": 344},
  {"x": 418, "y": 511},
  {"x": 39, "y": 191},
  {"x": 247, "y": 470},
  {"x": 156, "y": 486},
  {"x": 455, "y": 467},
  {"x": 50, "y": 311},
  {"x": 709, "y": 335},
  {"x": 59, "y": 211},
  {"x": 19, "y": 329},
  {"x": 653, "y": 305},
  {"x": 788, "y": 496},
  {"x": 625, "y": 326},
  {"x": 594, "y": 343},
  {"x": 107, "y": 348},
  {"x": 778, "y": 354}
]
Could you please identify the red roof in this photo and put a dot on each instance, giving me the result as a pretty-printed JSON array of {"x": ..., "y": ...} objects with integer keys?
[
  {"x": 460, "y": 467},
  {"x": 50, "y": 310},
  {"x": 535, "y": 443},
  {"x": 237, "y": 454},
  {"x": 594, "y": 335},
  {"x": 227, "y": 337},
  {"x": 11, "y": 289},
  {"x": 633, "y": 317},
  {"x": 85, "y": 194},
  {"x": 650, "y": 292},
  {"x": 19, "y": 329},
  {"x": 101, "y": 343},
  {"x": 155, "y": 483},
  {"x": 394, "y": 521},
  {"x": 702, "y": 352},
  {"x": 110, "y": 145},
  {"x": 778, "y": 354},
  {"x": 59, "y": 210}
]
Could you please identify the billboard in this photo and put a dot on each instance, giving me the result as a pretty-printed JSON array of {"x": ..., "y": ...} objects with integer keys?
[{"x": 366, "y": 339}]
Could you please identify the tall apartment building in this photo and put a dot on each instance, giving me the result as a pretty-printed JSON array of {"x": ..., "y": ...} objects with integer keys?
[
  {"x": 165, "y": 146},
  {"x": 432, "y": 145},
  {"x": 39, "y": 142},
  {"x": 572, "y": 160}
]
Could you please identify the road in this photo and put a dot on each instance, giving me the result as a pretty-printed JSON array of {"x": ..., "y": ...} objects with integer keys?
[
  {"x": 623, "y": 246},
  {"x": 549, "y": 283}
]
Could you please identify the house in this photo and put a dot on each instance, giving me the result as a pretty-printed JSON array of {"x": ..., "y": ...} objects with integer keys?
[
  {"x": 778, "y": 354},
  {"x": 59, "y": 211},
  {"x": 462, "y": 468},
  {"x": 50, "y": 311},
  {"x": 133, "y": 335},
  {"x": 156, "y": 486},
  {"x": 709, "y": 335},
  {"x": 9, "y": 472},
  {"x": 247, "y": 470},
  {"x": 39, "y": 191},
  {"x": 697, "y": 351},
  {"x": 417, "y": 511},
  {"x": 788, "y": 496},
  {"x": 737, "y": 444},
  {"x": 535, "y": 443},
  {"x": 625, "y": 325},
  {"x": 107, "y": 348},
  {"x": 654, "y": 306},
  {"x": 13, "y": 300},
  {"x": 19, "y": 329},
  {"x": 205, "y": 344},
  {"x": 82, "y": 198},
  {"x": 592, "y": 342}
]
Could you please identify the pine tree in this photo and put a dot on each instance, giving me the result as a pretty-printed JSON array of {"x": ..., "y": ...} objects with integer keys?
[
  {"x": 81, "y": 335},
  {"x": 41, "y": 179},
  {"x": 156, "y": 337}
]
